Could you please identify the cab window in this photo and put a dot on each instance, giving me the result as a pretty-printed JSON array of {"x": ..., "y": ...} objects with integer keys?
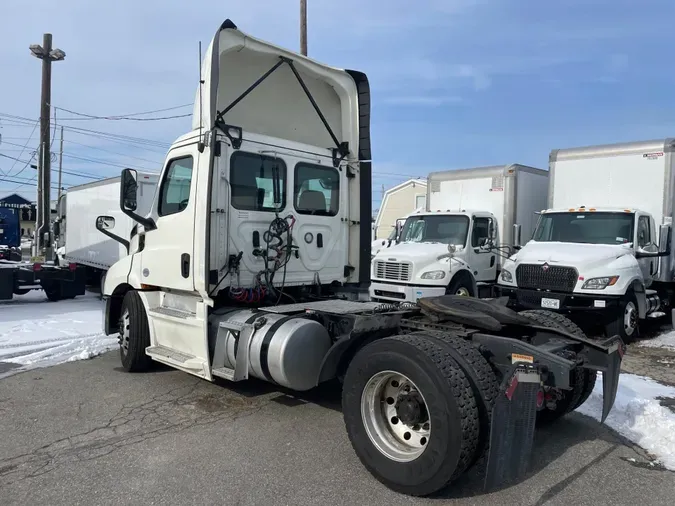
[
  {"x": 644, "y": 237},
  {"x": 481, "y": 229},
  {"x": 175, "y": 189},
  {"x": 316, "y": 190},
  {"x": 252, "y": 178}
]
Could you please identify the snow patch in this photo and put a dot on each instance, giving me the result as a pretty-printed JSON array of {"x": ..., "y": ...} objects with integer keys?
[
  {"x": 666, "y": 340},
  {"x": 37, "y": 333},
  {"x": 638, "y": 415}
]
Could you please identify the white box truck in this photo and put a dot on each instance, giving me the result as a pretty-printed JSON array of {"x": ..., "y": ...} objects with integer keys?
[
  {"x": 602, "y": 251},
  {"x": 458, "y": 244},
  {"x": 255, "y": 253},
  {"x": 79, "y": 240}
]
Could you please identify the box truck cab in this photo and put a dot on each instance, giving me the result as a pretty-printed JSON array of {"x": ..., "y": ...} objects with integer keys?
[
  {"x": 609, "y": 260},
  {"x": 437, "y": 253},
  {"x": 460, "y": 250}
]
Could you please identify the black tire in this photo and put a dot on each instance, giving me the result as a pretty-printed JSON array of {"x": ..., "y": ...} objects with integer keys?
[
  {"x": 461, "y": 285},
  {"x": 53, "y": 293},
  {"x": 484, "y": 380},
  {"x": 453, "y": 414},
  {"x": 618, "y": 325},
  {"x": 583, "y": 380},
  {"x": 133, "y": 355}
]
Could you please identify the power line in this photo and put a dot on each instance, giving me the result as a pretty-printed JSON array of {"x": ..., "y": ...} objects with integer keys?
[
  {"x": 102, "y": 162},
  {"x": 23, "y": 148},
  {"x": 140, "y": 140},
  {"x": 72, "y": 173},
  {"x": 130, "y": 117}
]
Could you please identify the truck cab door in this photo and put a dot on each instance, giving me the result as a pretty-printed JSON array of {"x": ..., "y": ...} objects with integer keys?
[
  {"x": 166, "y": 259},
  {"x": 482, "y": 261},
  {"x": 645, "y": 237}
]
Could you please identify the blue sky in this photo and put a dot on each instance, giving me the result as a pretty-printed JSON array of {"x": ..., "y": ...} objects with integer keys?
[{"x": 455, "y": 83}]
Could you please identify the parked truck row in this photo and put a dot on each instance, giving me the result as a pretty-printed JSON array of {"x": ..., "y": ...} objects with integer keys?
[
  {"x": 590, "y": 238},
  {"x": 254, "y": 261}
]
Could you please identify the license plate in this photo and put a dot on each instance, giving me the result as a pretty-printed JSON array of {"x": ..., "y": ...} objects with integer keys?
[{"x": 550, "y": 303}]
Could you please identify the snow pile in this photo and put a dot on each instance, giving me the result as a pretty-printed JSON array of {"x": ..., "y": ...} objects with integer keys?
[
  {"x": 666, "y": 341},
  {"x": 639, "y": 415},
  {"x": 37, "y": 333}
]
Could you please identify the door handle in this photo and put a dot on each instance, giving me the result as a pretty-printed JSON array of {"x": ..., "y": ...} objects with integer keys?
[{"x": 185, "y": 265}]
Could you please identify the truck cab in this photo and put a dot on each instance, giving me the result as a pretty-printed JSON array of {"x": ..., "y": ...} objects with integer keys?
[
  {"x": 601, "y": 262},
  {"x": 266, "y": 201},
  {"x": 437, "y": 253}
]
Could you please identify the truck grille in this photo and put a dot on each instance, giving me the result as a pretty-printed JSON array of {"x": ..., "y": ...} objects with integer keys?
[
  {"x": 547, "y": 277},
  {"x": 393, "y": 271}
]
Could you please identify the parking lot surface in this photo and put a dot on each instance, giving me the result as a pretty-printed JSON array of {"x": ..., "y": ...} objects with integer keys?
[{"x": 89, "y": 433}]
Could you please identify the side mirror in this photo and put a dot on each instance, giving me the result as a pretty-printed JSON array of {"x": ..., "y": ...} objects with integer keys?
[
  {"x": 128, "y": 189},
  {"x": 664, "y": 239},
  {"x": 57, "y": 228},
  {"x": 516, "y": 236},
  {"x": 492, "y": 230},
  {"x": 128, "y": 200},
  {"x": 105, "y": 223}
]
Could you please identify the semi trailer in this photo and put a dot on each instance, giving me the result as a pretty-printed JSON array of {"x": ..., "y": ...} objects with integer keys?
[
  {"x": 602, "y": 251},
  {"x": 78, "y": 239},
  {"x": 458, "y": 245},
  {"x": 253, "y": 262}
]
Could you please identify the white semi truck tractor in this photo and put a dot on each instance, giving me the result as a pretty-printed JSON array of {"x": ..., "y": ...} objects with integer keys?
[
  {"x": 459, "y": 244},
  {"x": 255, "y": 257},
  {"x": 602, "y": 252}
]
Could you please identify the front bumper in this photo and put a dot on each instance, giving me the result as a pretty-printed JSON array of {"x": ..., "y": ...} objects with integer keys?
[
  {"x": 558, "y": 301},
  {"x": 402, "y": 293}
]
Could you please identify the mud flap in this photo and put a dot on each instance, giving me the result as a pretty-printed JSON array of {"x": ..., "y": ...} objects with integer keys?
[
  {"x": 610, "y": 381},
  {"x": 512, "y": 429}
]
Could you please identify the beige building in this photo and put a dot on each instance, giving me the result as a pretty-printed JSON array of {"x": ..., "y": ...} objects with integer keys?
[{"x": 398, "y": 202}]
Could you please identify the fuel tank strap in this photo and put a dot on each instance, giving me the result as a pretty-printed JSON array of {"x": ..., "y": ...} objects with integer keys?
[{"x": 265, "y": 346}]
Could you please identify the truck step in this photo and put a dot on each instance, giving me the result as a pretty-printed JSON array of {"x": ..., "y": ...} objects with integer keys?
[
  {"x": 224, "y": 372},
  {"x": 172, "y": 312},
  {"x": 656, "y": 314},
  {"x": 162, "y": 353}
]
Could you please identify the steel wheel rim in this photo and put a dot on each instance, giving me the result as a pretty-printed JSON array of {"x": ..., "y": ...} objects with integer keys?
[
  {"x": 394, "y": 438},
  {"x": 124, "y": 332},
  {"x": 629, "y": 319},
  {"x": 462, "y": 291}
]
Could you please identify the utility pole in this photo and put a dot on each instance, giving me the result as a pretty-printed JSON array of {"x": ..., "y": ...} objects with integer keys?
[
  {"x": 303, "y": 27},
  {"x": 60, "y": 166},
  {"x": 42, "y": 230}
]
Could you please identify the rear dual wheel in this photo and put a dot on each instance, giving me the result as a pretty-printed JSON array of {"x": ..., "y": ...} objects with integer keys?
[{"x": 411, "y": 413}]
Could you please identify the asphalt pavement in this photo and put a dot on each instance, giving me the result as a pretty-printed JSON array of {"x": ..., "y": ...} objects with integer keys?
[{"x": 88, "y": 433}]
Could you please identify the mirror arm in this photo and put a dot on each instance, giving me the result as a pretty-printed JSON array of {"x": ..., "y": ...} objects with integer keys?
[
  {"x": 148, "y": 223},
  {"x": 114, "y": 237}
]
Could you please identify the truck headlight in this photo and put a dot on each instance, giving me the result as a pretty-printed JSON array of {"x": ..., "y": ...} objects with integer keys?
[
  {"x": 433, "y": 275},
  {"x": 506, "y": 276},
  {"x": 599, "y": 283}
]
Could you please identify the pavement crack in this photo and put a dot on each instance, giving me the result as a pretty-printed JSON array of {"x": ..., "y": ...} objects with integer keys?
[{"x": 173, "y": 411}]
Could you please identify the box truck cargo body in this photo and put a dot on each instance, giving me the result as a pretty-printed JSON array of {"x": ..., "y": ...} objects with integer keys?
[
  {"x": 604, "y": 244},
  {"x": 81, "y": 242},
  {"x": 474, "y": 218}
]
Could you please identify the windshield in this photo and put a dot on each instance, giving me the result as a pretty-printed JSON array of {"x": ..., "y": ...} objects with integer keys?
[
  {"x": 442, "y": 229},
  {"x": 589, "y": 228}
]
